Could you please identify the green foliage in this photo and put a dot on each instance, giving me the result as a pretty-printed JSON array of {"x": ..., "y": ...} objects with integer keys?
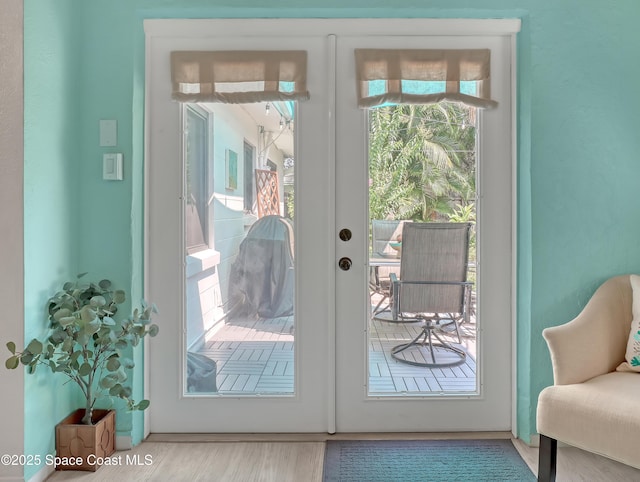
[
  {"x": 421, "y": 161},
  {"x": 466, "y": 214},
  {"x": 87, "y": 341}
]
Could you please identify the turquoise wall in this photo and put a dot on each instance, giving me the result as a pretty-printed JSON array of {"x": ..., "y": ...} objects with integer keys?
[
  {"x": 51, "y": 200},
  {"x": 578, "y": 160}
]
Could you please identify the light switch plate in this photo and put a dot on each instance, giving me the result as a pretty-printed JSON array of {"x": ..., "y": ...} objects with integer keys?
[
  {"x": 108, "y": 133},
  {"x": 112, "y": 167}
]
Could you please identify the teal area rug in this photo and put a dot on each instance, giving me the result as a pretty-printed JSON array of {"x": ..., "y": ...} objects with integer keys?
[{"x": 424, "y": 461}]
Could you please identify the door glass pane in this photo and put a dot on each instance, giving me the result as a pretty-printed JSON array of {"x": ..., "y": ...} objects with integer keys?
[
  {"x": 239, "y": 297},
  {"x": 196, "y": 155},
  {"x": 422, "y": 329}
]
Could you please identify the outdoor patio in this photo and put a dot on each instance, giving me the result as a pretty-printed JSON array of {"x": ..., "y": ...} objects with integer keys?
[{"x": 257, "y": 356}]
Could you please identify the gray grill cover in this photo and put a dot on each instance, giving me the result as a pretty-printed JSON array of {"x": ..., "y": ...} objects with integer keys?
[{"x": 261, "y": 281}]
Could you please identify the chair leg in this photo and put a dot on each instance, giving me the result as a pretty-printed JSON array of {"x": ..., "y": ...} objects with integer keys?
[{"x": 547, "y": 459}]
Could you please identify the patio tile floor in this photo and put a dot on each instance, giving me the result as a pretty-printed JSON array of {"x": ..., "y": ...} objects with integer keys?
[{"x": 257, "y": 356}]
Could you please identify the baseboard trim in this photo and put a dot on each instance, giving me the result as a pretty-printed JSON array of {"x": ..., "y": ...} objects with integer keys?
[
  {"x": 43, "y": 474},
  {"x": 123, "y": 442}
]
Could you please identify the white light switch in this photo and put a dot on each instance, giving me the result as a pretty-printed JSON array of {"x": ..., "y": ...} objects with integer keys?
[
  {"x": 108, "y": 133},
  {"x": 112, "y": 167}
]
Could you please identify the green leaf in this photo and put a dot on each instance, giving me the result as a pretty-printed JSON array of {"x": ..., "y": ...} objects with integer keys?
[
  {"x": 35, "y": 347},
  {"x": 121, "y": 374},
  {"x": 83, "y": 338},
  {"x": 62, "y": 313},
  {"x": 128, "y": 363},
  {"x": 105, "y": 284},
  {"x": 66, "y": 321},
  {"x": 113, "y": 364},
  {"x": 84, "y": 370},
  {"x": 26, "y": 358},
  {"x": 108, "y": 321},
  {"x": 80, "y": 275},
  {"x": 121, "y": 344},
  {"x": 12, "y": 362},
  {"x": 142, "y": 405},
  {"x": 98, "y": 301},
  {"x": 125, "y": 392},
  {"x": 108, "y": 381},
  {"x": 115, "y": 390},
  {"x": 12, "y": 347},
  {"x": 68, "y": 344},
  {"x": 68, "y": 285},
  {"x": 92, "y": 327},
  {"x": 119, "y": 297},
  {"x": 57, "y": 337},
  {"x": 87, "y": 314}
]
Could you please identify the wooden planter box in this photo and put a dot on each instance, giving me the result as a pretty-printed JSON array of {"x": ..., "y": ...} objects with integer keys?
[{"x": 79, "y": 446}]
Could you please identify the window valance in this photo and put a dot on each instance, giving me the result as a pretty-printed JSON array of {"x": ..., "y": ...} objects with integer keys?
[
  {"x": 239, "y": 76},
  {"x": 415, "y": 76}
]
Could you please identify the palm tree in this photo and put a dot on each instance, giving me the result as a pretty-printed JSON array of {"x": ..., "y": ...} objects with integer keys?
[{"x": 421, "y": 161}]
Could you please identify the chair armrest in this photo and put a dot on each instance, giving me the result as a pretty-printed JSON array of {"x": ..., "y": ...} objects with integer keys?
[{"x": 593, "y": 343}]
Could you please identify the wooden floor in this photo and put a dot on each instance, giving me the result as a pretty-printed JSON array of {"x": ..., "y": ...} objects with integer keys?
[
  {"x": 257, "y": 356},
  {"x": 297, "y": 458}
]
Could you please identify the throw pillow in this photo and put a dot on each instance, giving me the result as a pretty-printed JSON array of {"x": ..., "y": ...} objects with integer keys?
[{"x": 633, "y": 344}]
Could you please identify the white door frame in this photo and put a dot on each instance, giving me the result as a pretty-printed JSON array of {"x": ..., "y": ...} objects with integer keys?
[{"x": 176, "y": 32}]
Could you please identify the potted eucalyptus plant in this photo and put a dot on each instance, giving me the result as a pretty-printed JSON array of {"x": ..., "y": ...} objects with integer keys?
[{"x": 88, "y": 344}]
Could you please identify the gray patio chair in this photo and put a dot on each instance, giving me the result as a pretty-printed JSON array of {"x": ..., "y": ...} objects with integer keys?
[
  {"x": 383, "y": 232},
  {"x": 433, "y": 289}
]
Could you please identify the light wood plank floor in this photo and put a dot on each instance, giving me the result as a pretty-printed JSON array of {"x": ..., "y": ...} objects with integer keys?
[{"x": 299, "y": 457}]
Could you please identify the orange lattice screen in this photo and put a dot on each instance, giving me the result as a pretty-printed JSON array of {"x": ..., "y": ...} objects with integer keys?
[{"x": 267, "y": 191}]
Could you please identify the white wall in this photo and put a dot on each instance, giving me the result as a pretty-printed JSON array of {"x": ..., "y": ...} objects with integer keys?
[{"x": 11, "y": 254}]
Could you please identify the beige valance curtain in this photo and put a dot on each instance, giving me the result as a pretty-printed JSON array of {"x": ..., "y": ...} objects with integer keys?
[
  {"x": 404, "y": 72},
  {"x": 235, "y": 77}
]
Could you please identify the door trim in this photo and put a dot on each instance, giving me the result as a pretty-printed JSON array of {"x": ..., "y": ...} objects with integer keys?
[
  {"x": 199, "y": 28},
  {"x": 212, "y": 28}
]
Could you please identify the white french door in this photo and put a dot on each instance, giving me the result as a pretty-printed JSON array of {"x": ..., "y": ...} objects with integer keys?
[
  {"x": 359, "y": 407},
  {"x": 330, "y": 388}
]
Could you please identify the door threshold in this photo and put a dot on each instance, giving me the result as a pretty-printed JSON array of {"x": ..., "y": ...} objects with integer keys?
[{"x": 320, "y": 437}]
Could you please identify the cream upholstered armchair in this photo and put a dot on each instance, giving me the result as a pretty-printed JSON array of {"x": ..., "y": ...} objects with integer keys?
[{"x": 591, "y": 405}]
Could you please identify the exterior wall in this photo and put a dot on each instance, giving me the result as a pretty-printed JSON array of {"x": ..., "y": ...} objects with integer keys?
[
  {"x": 204, "y": 301},
  {"x": 232, "y": 127},
  {"x": 208, "y": 272}
]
